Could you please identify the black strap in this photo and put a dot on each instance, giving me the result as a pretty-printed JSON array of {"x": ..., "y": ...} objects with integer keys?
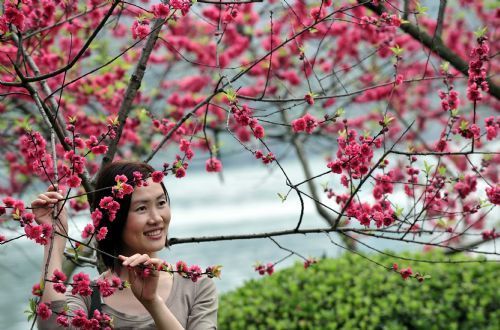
[{"x": 95, "y": 301}]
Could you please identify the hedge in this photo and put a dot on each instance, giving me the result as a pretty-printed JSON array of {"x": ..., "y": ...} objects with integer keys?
[{"x": 353, "y": 293}]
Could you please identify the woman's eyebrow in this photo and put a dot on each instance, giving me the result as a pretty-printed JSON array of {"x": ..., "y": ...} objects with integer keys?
[{"x": 147, "y": 200}]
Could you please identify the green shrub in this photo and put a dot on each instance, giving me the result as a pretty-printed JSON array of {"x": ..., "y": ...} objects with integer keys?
[{"x": 353, "y": 293}]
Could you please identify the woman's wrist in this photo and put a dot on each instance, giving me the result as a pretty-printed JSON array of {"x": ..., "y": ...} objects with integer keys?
[{"x": 151, "y": 303}]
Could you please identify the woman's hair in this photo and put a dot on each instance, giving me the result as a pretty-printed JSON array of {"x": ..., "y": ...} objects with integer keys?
[{"x": 113, "y": 243}]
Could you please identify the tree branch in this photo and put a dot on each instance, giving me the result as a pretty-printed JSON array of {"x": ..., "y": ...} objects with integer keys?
[
  {"x": 132, "y": 89},
  {"x": 437, "y": 46}
]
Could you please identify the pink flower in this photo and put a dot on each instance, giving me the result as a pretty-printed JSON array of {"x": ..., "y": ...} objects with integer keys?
[
  {"x": 43, "y": 311},
  {"x": 63, "y": 321},
  {"x": 137, "y": 178},
  {"x": 103, "y": 231},
  {"x": 258, "y": 131},
  {"x": 269, "y": 158},
  {"x": 213, "y": 165},
  {"x": 335, "y": 166},
  {"x": 99, "y": 150},
  {"x": 14, "y": 16},
  {"x": 39, "y": 233},
  {"x": 121, "y": 178},
  {"x": 493, "y": 194},
  {"x": 96, "y": 217},
  {"x": 81, "y": 285},
  {"x": 298, "y": 125},
  {"x": 180, "y": 172},
  {"x": 308, "y": 262},
  {"x": 183, "y": 5},
  {"x": 74, "y": 181},
  {"x": 79, "y": 318},
  {"x": 181, "y": 268},
  {"x": 270, "y": 268},
  {"x": 109, "y": 204},
  {"x": 490, "y": 234},
  {"x": 157, "y": 176},
  {"x": 105, "y": 287},
  {"x": 261, "y": 269},
  {"x": 311, "y": 123},
  {"x": 140, "y": 29},
  {"x": 122, "y": 189},
  {"x": 399, "y": 79},
  {"x": 36, "y": 290},
  {"x": 405, "y": 273},
  {"x": 160, "y": 10},
  {"x": 195, "y": 272},
  {"x": 491, "y": 133},
  {"x": 58, "y": 276},
  {"x": 475, "y": 130},
  {"x": 88, "y": 231},
  {"x": 9, "y": 201}
]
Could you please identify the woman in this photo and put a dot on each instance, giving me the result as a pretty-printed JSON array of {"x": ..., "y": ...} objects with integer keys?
[{"x": 138, "y": 231}]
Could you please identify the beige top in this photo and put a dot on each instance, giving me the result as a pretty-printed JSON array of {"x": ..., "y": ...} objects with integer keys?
[{"x": 194, "y": 304}]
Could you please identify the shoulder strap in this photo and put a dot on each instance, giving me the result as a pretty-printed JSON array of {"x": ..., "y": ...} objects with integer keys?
[{"x": 95, "y": 301}]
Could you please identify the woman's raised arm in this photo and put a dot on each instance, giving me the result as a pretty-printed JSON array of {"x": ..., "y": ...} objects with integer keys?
[{"x": 43, "y": 208}]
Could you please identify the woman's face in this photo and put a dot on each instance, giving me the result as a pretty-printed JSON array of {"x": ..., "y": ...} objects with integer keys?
[{"x": 147, "y": 222}]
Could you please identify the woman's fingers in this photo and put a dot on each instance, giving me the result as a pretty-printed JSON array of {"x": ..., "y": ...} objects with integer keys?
[
  {"x": 135, "y": 259},
  {"x": 38, "y": 202},
  {"x": 47, "y": 198},
  {"x": 141, "y": 259},
  {"x": 154, "y": 261}
]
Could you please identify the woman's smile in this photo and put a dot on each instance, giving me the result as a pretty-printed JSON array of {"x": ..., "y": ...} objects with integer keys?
[{"x": 147, "y": 220}]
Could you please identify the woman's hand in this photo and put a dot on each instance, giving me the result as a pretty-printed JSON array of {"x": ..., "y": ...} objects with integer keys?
[
  {"x": 43, "y": 208},
  {"x": 143, "y": 280},
  {"x": 145, "y": 289}
]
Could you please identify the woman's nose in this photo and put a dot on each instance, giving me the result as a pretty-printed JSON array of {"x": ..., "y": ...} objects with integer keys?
[{"x": 155, "y": 215}]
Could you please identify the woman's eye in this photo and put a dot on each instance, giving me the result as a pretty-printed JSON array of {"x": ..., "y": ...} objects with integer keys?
[
  {"x": 141, "y": 208},
  {"x": 162, "y": 203}
]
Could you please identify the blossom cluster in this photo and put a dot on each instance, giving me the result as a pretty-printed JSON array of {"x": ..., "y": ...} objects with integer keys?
[
  {"x": 266, "y": 159},
  {"x": 79, "y": 319},
  {"x": 263, "y": 269},
  {"x": 450, "y": 100},
  {"x": 193, "y": 272},
  {"x": 477, "y": 70},
  {"x": 244, "y": 117},
  {"x": 306, "y": 123},
  {"x": 353, "y": 157}
]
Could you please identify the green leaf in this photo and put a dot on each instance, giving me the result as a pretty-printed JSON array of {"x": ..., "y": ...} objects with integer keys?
[
  {"x": 442, "y": 223},
  {"x": 442, "y": 170},
  {"x": 445, "y": 66},
  {"x": 388, "y": 120},
  {"x": 142, "y": 115},
  {"x": 427, "y": 168},
  {"x": 454, "y": 112},
  {"x": 340, "y": 112},
  {"x": 231, "y": 94},
  {"x": 421, "y": 10},
  {"x": 480, "y": 32},
  {"x": 464, "y": 125},
  {"x": 282, "y": 197},
  {"x": 399, "y": 211},
  {"x": 397, "y": 50},
  {"x": 32, "y": 309}
]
